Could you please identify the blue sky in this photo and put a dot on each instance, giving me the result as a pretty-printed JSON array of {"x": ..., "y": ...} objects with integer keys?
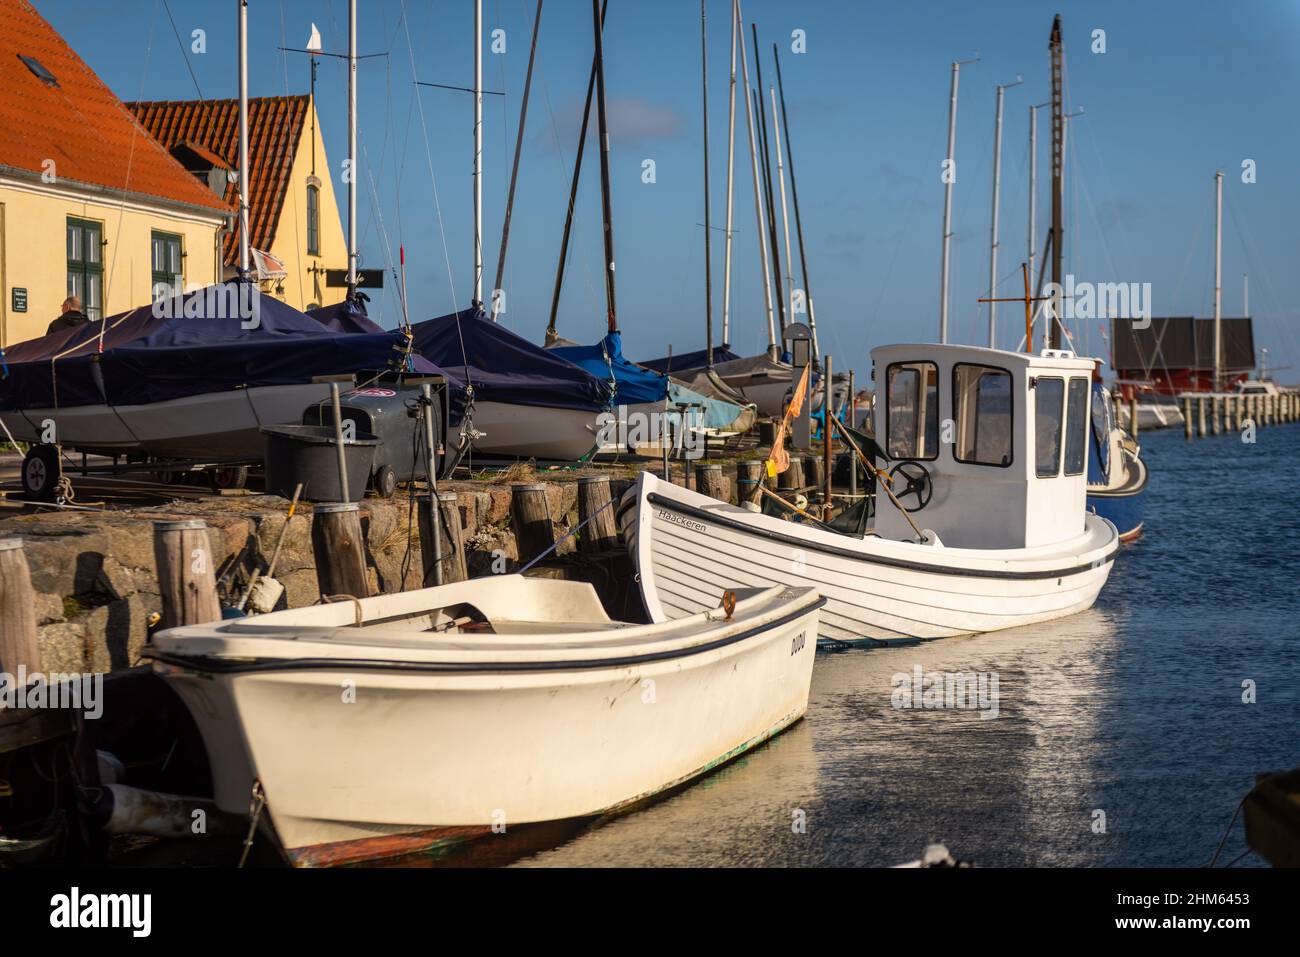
[{"x": 1184, "y": 88}]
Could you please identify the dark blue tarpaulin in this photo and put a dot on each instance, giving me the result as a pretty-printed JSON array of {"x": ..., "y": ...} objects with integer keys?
[
  {"x": 350, "y": 318},
  {"x": 187, "y": 345},
  {"x": 504, "y": 367},
  {"x": 604, "y": 360},
  {"x": 688, "y": 361}
]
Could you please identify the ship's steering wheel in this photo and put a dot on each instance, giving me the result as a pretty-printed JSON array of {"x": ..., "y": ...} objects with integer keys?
[{"x": 919, "y": 484}]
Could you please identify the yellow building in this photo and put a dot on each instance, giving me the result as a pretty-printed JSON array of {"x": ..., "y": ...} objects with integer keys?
[
  {"x": 294, "y": 226},
  {"x": 90, "y": 204}
]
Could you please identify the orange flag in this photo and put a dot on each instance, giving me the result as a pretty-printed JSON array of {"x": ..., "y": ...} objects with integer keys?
[{"x": 778, "y": 461}]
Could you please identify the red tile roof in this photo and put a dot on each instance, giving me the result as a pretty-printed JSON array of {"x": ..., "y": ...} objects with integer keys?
[
  {"x": 76, "y": 121},
  {"x": 275, "y": 125}
]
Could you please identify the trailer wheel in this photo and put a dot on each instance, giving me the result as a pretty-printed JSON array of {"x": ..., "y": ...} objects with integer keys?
[
  {"x": 236, "y": 476},
  {"x": 384, "y": 481},
  {"x": 41, "y": 473}
]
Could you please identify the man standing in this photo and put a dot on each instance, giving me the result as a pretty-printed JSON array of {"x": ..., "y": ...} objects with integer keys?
[{"x": 70, "y": 316}]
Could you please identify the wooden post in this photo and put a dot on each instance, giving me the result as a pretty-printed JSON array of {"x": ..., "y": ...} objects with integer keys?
[
  {"x": 1230, "y": 413},
  {"x": 1119, "y": 406},
  {"x": 812, "y": 470},
  {"x": 792, "y": 477},
  {"x": 1216, "y": 414},
  {"x": 828, "y": 435},
  {"x": 451, "y": 547},
  {"x": 531, "y": 515},
  {"x": 1187, "y": 416},
  {"x": 710, "y": 481},
  {"x": 600, "y": 533},
  {"x": 186, "y": 577},
  {"x": 339, "y": 549},
  {"x": 748, "y": 476},
  {"x": 1200, "y": 416},
  {"x": 1133, "y": 414},
  {"x": 18, "y": 646}
]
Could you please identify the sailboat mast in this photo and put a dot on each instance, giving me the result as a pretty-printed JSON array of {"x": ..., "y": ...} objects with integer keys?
[
  {"x": 1218, "y": 280},
  {"x": 551, "y": 335},
  {"x": 761, "y": 110},
  {"x": 794, "y": 196},
  {"x": 758, "y": 193},
  {"x": 993, "y": 229},
  {"x": 243, "y": 138},
  {"x": 1058, "y": 170},
  {"x": 602, "y": 130},
  {"x": 731, "y": 176},
  {"x": 708, "y": 225},
  {"x": 949, "y": 177},
  {"x": 352, "y": 148},
  {"x": 478, "y": 151},
  {"x": 514, "y": 167},
  {"x": 785, "y": 211}
]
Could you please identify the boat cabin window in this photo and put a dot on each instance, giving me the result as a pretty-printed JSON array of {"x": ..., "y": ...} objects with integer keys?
[
  {"x": 1076, "y": 422},
  {"x": 1049, "y": 405},
  {"x": 982, "y": 407},
  {"x": 913, "y": 410}
]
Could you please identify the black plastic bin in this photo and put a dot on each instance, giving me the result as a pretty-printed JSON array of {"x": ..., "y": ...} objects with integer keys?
[{"x": 307, "y": 454}]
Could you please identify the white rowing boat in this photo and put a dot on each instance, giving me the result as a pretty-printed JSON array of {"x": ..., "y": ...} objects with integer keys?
[{"x": 406, "y": 722}]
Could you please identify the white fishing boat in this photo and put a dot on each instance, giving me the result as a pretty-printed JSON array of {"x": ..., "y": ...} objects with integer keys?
[
  {"x": 1001, "y": 537},
  {"x": 406, "y": 722}
]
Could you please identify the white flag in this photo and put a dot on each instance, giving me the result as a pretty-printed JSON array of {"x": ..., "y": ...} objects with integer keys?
[{"x": 313, "y": 43}]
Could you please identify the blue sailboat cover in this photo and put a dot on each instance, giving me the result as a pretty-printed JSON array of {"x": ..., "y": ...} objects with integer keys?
[
  {"x": 688, "y": 361},
  {"x": 504, "y": 367},
  {"x": 632, "y": 384},
  {"x": 190, "y": 344}
]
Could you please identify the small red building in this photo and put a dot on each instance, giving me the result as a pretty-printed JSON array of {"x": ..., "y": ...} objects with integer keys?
[{"x": 1175, "y": 354}]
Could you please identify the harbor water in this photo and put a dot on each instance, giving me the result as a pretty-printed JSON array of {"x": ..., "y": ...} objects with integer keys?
[{"x": 1123, "y": 736}]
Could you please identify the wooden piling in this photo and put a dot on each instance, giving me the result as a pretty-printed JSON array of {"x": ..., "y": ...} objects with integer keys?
[
  {"x": 1187, "y": 416},
  {"x": 1133, "y": 414},
  {"x": 186, "y": 578},
  {"x": 748, "y": 477},
  {"x": 530, "y": 514},
  {"x": 813, "y": 469},
  {"x": 1216, "y": 414},
  {"x": 710, "y": 481},
  {"x": 1200, "y": 416},
  {"x": 1118, "y": 400},
  {"x": 792, "y": 477},
  {"x": 451, "y": 545},
  {"x": 339, "y": 549},
  {"x": 18, "y": 646},
  {"x": 600, "y": 533}
]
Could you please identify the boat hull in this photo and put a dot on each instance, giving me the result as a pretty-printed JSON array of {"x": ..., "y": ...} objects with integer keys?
[
  {"x": 421, "y": 756},
  {"x": 539, "y": 432},
  {"x": 1123, "y": 506},
  {"x": 688, "y": 548},
  {"x": 211, "y": 426}
]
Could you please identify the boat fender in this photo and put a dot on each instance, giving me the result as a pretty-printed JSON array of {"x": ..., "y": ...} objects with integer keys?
[
  {"x": 930, "y": 537},
  {"x": 751, "y": 507},
  {"x": 120, "y": 809},
  {"x": 265, "y": 595}
]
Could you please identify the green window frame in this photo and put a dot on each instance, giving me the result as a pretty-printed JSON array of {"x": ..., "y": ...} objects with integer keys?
[
  {"x": 313, "y": 220},
  {"x": 85, "y": 248},
  {"x": 167, "y": 263}
]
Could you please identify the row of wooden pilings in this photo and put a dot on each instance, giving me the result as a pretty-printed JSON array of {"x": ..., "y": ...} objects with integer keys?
[
  {"x": 1212, "y": 414},
  {"x": 186, "y": 568}
]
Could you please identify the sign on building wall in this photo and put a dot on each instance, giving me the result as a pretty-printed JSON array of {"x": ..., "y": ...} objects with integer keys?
[{"x": 19, "y": 299}]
